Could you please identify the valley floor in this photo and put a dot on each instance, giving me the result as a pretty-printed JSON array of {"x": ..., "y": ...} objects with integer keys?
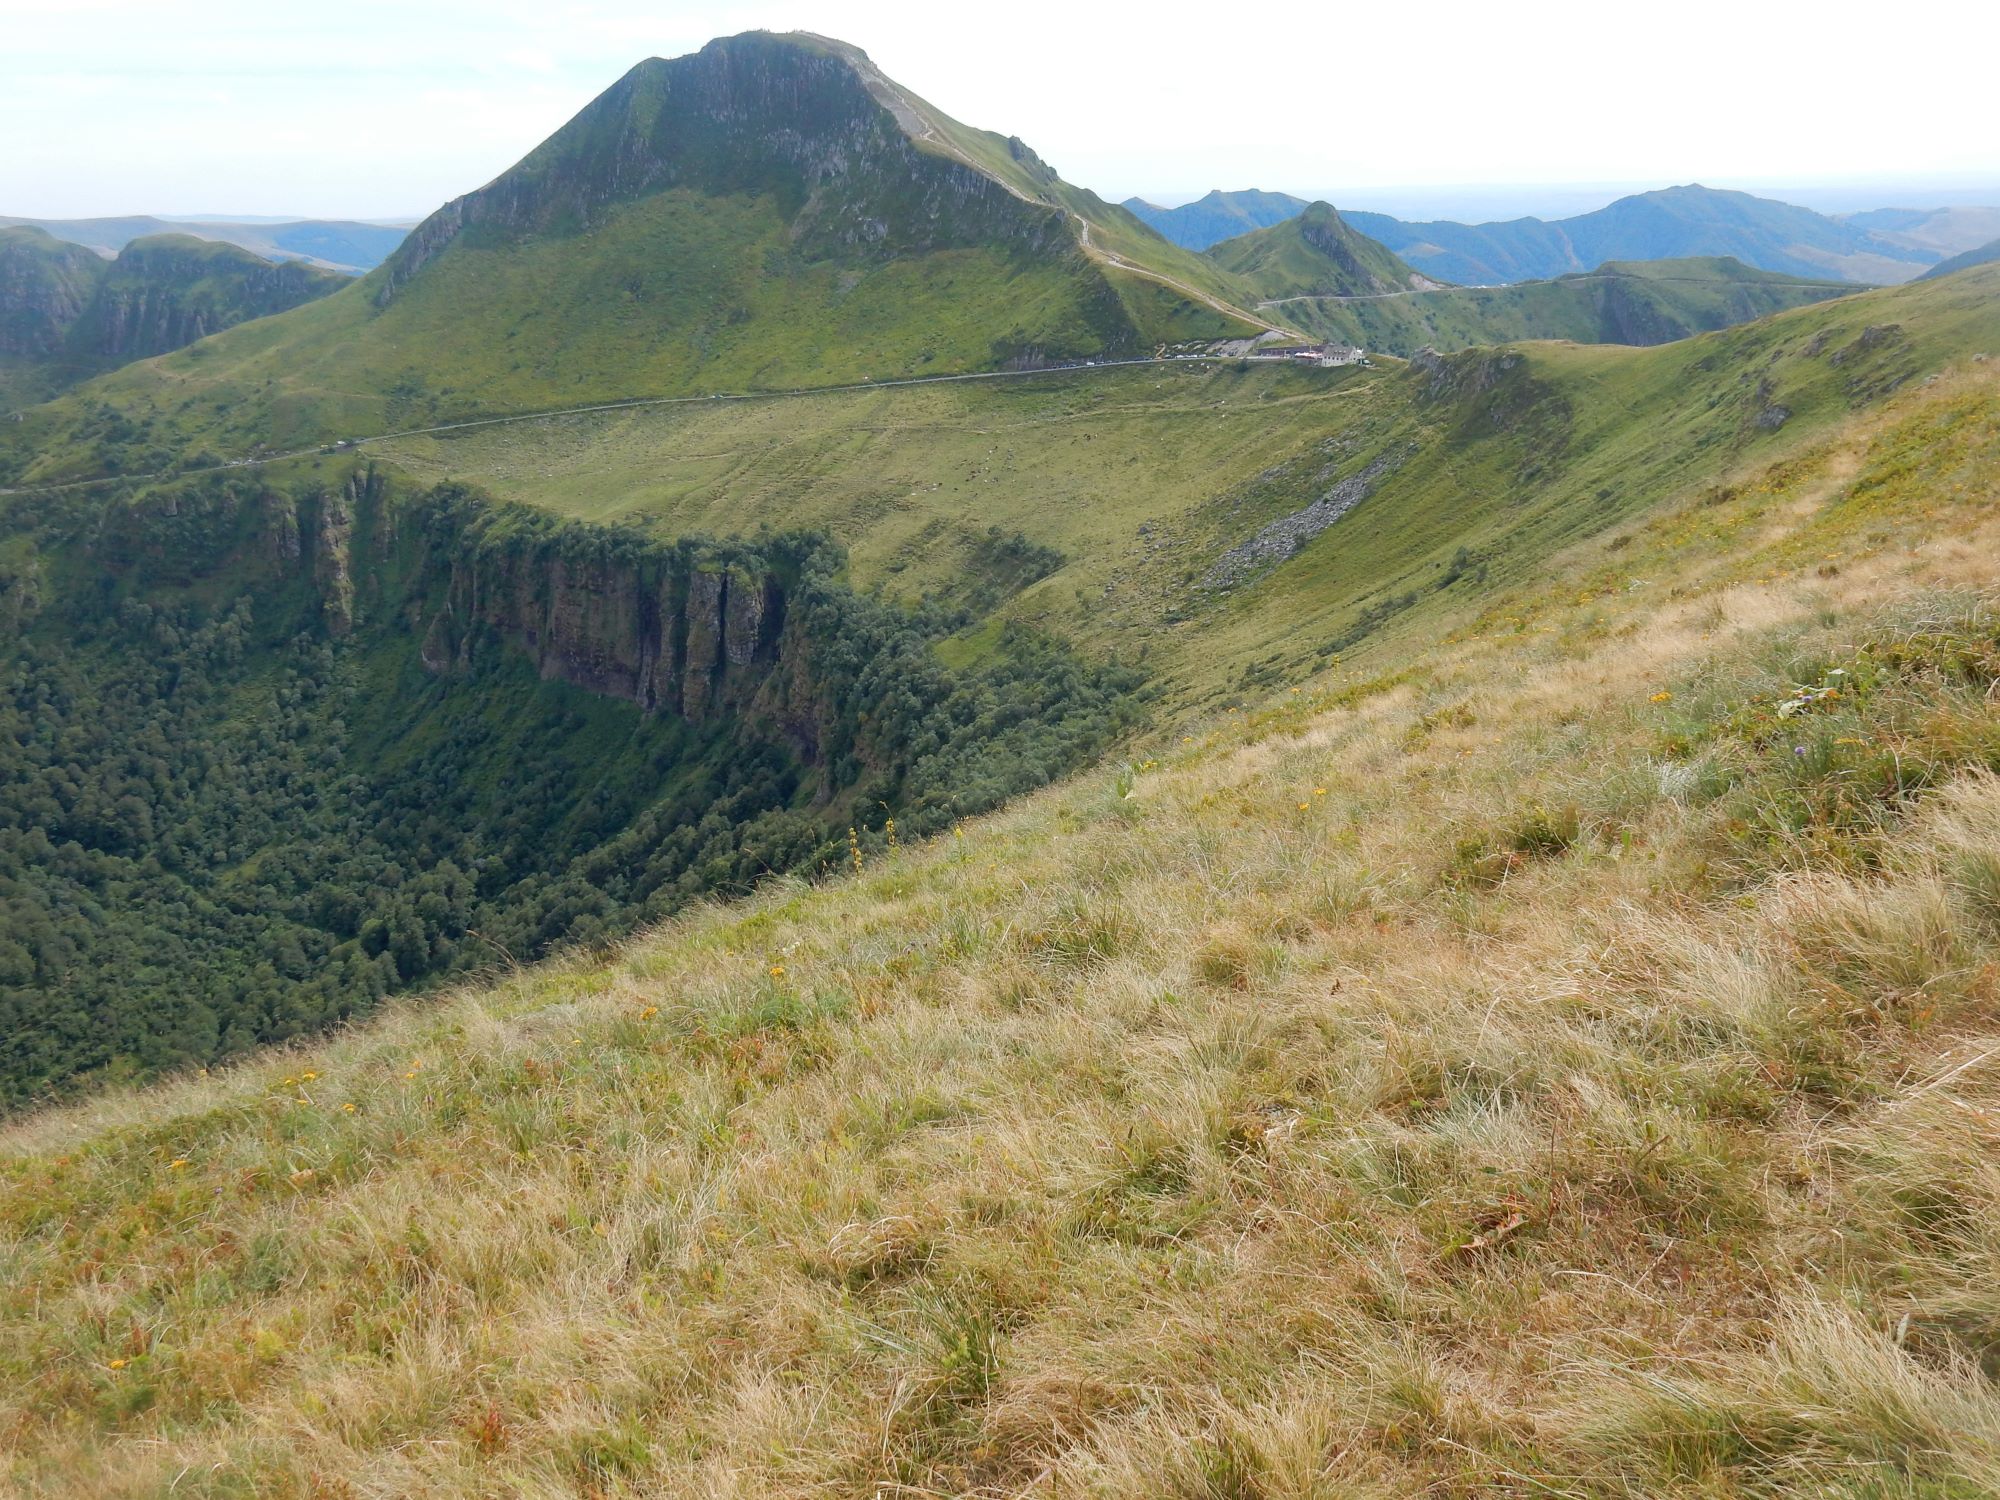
[{"x": 1561, "y": 1061}]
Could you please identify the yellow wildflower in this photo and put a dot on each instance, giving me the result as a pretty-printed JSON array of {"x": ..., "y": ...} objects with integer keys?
[
  {"x": 116, "y": 1364},
  {"x": 177, "y": 1163},
  {"x": 777, "y": 971},
  {"x": 1662, "y": 698}
]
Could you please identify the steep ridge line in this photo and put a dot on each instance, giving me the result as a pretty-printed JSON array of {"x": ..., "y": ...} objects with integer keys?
[{"x": 911, "y": 116}]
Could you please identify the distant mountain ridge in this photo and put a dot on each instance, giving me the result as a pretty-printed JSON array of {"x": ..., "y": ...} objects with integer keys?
[
  {"x": 1621, "y": 302},
  {"x": 1668, "y": 224},
  {"x": 1942, "y": 231},
  {"x": 1692, "y": 221},
  {"x": 333, "y": 244},
  {"x": 1218, "y": 215}
]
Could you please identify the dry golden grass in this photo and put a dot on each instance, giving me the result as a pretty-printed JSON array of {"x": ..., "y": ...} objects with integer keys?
[{"x": 1417, "y": 1086}]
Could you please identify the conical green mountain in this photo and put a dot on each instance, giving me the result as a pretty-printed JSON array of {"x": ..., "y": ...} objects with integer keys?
[
  {"x": 768, "y": 212},
  {"x": 1315, "y": 254}
]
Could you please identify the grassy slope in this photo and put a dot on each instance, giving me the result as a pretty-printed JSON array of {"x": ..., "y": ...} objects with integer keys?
[
  {"x": 1639, "y": 302},
  {"x": 706, "y": 299},
  {"x": 1502, "y": 1066},
  {"x": 1984, "y": 255},
  {"x": 1568, "y": 441},
  {"x": 566, "y": 285},
  {"x": 1113, "y": 227}
]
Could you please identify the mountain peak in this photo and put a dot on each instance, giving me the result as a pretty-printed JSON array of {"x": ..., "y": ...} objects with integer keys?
[
  {"x": 851, "y": 158},
  {"x": 1315, "y": 253}
]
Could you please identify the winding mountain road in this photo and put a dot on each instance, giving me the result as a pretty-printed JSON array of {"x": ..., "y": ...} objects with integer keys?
[{"x": 349, "y": 445}]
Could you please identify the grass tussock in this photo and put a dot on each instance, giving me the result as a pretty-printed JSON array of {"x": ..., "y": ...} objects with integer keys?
[{"x": 1243, "y": 1133}]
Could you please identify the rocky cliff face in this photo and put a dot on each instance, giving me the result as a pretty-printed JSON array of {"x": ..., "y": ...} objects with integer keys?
[
  {"x": 61, "y": 301},
  {"x": 804, "y": 120},
  {"x": 1331, "y": 238},
  {"x": 701, "y": 633},
  {"x": 165, "y": 291},
  {"x": 45, "y": 285}
]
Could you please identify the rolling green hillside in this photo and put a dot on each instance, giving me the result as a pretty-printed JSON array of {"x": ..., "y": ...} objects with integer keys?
[
  {"x": 993, "y": 890},
  {"x": 1638, "y": 302},
  {"x": 767, "y": 213},
  {"x": 1314, "y": 253},
  {"x": 1541, "y": 1045},
  {"x": 67, "y": 315},
  {"x": 1143, "y": 478},
  {"x": 1006, "y": 566}
]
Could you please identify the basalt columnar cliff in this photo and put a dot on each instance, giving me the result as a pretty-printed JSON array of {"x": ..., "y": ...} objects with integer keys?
[{"x": 274, "y": 752}]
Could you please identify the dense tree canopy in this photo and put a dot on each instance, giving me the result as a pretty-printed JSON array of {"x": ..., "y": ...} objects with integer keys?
[{"x": 222, "y": 825}]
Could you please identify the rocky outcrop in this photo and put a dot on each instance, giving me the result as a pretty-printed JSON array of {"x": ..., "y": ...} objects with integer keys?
[
  {"x": 332, "y": 539},
  {"x": 61, "y": 301},
  {"x": 665, "y": 628},
  {"x": 168, "y": 290},
  {"x": 1285, "y": 536},
  {"x": 45, "y": 285},
  {"x": 281, "y": 528}
]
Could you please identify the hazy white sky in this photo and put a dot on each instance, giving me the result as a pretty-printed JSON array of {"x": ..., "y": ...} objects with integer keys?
[{"x": 373, "y": 108}]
